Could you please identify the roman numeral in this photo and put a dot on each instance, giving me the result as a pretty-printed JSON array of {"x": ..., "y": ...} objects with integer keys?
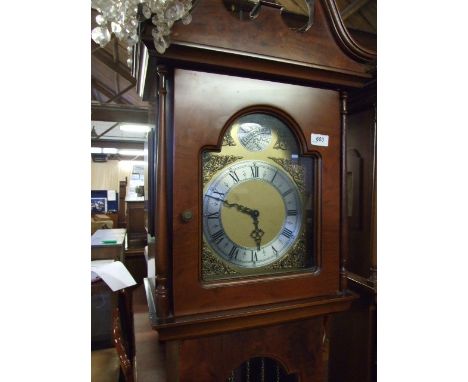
[
  {"x": 287, "y": 192},
  {"x": 254, "y": 170},
  {"x": 254, "y": 256},
  {"x": 286, "y": 232},
  {"x": 233, "y": 252},
  {"x": 292, "y": 212},
  {"x": 274, "y": 250},
  {"x": 218, "y": 236},
  {"x": 274, "y": 176},
  {"x": 219, "y": 193},
  {"x": 214, "y": 215},
  {"x": 234, "y": 176}
]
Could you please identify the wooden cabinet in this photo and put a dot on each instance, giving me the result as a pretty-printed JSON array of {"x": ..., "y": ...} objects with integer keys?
[
  {"x": 353, "y": 333},
  {"x": 108, "y": 244},
  {"x": 135, "y": 217},
  {"x": 102, "y": 303},
  {"x": 122, "y": 222}
]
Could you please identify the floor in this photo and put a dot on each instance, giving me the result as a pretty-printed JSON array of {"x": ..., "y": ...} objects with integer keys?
[{"x": 149, "y": 354}]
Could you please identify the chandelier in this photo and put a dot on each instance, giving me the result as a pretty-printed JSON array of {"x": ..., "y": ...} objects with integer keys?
[{"x": 122, "y": 18}]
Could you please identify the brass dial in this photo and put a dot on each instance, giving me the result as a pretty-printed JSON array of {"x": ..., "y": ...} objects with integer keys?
[{"x": 252, "y": 213}]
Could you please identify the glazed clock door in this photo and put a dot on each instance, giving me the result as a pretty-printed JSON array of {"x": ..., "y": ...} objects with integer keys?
[
  {"x": 259, "y": 201},
  {"x": 265, "y": 201}
]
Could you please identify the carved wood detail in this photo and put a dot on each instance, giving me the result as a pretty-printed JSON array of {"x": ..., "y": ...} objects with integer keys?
[
  {"x": 162, "y": 224},
  {"x": 343, "y": 37},
  {"x": 344, "y": 208}
]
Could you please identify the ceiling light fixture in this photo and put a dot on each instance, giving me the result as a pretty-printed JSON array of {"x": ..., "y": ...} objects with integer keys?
[
  {"x": 122, "y": 17},
  {"x": 135, "y": 128},
  {"x": 96, "y": 150},
  {"x": 109, "y": 150},
  {"x": 132, "y": 152}
]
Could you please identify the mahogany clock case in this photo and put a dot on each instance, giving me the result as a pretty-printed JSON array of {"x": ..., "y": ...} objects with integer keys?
[{"x": 201, "y": 106}]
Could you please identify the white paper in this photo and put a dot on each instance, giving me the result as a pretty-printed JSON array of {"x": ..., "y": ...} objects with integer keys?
[
  {"x": 111, "y": 195},
  {"x": 319, "y": 140},
  {"x": 113, "y": 273}
]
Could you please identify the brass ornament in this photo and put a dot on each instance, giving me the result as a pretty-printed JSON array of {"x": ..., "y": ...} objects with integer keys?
[
  {"x": 228, "y": 140},
  {"x": 212, "y": 163},
  {"x": 296, "y": 258},
  {"x": 212, "y": 266},
  {"x": 295, "y": 170},
  {"x": 282, "y": 142}
]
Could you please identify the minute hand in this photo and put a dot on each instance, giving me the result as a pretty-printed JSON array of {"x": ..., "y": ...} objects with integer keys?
[
  {"x": 253, "y": 213},
  {"x": 257, "y": 233}
]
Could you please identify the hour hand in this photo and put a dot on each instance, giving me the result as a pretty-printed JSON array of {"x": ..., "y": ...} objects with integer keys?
[{"x": 257, "y": 234}]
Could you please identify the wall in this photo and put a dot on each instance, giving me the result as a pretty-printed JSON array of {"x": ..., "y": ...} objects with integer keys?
[{"x": 106, "y": 175}]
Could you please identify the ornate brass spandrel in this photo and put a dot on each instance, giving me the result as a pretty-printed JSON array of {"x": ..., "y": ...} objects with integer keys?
[
  {"x": 296, "y": 171},
  {"x": 212, "y": 266},
  {"x": 282, "y": 142},
  {"x": 228, "y": 140},
  {"x": 295, "y": 259},
  {"x": 212, "y": 163}
]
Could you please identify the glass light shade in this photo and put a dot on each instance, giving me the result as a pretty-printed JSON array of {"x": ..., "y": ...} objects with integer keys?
[{"x": 123, "y": 17}]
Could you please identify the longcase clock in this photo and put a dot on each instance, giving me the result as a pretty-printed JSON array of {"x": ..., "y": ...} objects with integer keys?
[{"x": 250, "y": 217}]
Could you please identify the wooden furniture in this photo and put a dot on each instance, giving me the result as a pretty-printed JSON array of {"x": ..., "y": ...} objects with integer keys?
[
  {"x": 102, "y": 304},
  {"x": 135, "y": 263},
  {"x": 114, "y": 216},
  {"x": 353, "y": 334},
  {"x": 122, "y": 222},
  {"x": 135, "y": 217},
  {"x": 108, "y": 244},
  {"x": 113, "y": 333},
  {"x": 100, "y": 221},
  {"x": 124, "y": 334},
  {"x": 214, "y": 73}
]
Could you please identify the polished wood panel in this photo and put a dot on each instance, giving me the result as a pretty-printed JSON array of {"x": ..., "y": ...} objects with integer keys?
[
  {"x": 353, "y": 333},
  {"x": 361, "y": 145},
  {"x": 240, "y": 319},
  {"x": 298, "y": 347},
  {"x": 214, "y": 26},
  {"x": 326, "y": 55},
  {"x": 200, "y": 124},
  {"x": 353, "y": 340}
]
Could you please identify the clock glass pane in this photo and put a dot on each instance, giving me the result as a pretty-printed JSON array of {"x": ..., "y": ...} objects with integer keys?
[{"x": 258, "y": 202}]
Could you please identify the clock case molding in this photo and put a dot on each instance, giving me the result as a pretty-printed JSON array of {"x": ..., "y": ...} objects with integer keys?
[{"x": 303, "y": 78}]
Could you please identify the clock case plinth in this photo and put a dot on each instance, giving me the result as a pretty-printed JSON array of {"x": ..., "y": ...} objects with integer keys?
[{"x": 212, "y": 71}]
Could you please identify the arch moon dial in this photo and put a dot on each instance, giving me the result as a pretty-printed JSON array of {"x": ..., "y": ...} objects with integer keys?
[
  {"x": 252, "y": 213},
  {"x": 253, "y": 136}
]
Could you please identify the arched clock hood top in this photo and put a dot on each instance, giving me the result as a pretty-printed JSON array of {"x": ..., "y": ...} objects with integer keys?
[{"x": 325, "y": 55}]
